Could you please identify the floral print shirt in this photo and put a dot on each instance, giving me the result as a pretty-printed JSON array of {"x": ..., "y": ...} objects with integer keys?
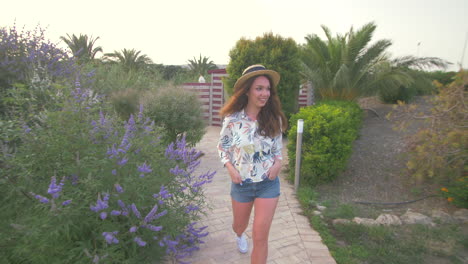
[{"x": 251, "y": 153}]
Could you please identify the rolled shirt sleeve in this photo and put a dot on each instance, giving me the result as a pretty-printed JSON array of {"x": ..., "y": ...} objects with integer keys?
[{"x": 225, "y": 141}]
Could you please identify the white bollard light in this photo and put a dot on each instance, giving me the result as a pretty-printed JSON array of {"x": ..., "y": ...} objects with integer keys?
[{"x": 297, "y": 172}]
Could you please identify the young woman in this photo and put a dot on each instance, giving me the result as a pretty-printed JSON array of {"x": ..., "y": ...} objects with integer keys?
[{"x": 250, "y": 147}]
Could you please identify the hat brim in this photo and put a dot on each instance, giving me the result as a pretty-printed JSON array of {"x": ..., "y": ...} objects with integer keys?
[{"x": 274, "y": 76}]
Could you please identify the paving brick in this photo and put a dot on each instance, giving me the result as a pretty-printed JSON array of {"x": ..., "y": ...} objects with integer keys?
[{"x": 322, "y": 260}]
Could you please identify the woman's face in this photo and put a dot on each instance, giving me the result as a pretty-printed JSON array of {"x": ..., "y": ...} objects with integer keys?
[{"x": 259, "y": 92}]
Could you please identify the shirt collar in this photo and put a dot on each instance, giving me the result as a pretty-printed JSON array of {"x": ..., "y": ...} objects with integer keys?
[{"x": 245, "y": 116}]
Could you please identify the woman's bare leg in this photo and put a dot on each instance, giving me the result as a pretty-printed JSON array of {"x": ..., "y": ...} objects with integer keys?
[
  {"x": 241, "y": 215},
  {"x": 264, "y": 212}
]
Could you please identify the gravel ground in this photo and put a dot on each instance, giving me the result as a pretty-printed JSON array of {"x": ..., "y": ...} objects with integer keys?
[{"x": 376, "y": 168}]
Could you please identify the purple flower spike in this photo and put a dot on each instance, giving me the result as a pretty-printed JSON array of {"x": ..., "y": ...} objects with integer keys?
[
  {"x": 110, "y": 237},
  {"x": 67, "y": 202},
  {"x": 135, "y": 211},
  {"x": 144, "y": 168},
  {"x": 130, "y": 126},
  {"x": 102, "y": 119},
  {"x": 55, "y": 189},
  {"x": 100, "y": 204},
  {"x": 154, "y": 228},
  {"x": 41, "y": 198},
  {"x": 139, "y": 241},
  {"x": 150, "y": 216},
  {"x": 103, "y": 215},
  {"x": 163, "y": 213},
  {"x": 191, "y": 208},
  {"x": 121, "y": 204},
  {"x": 26, "y": 129},
  {"x": 133, "y": 229},
  {"x": 118, "y": 188},
  {"x": 112, "y": 152},
  {"x": 163, "y": 193},
  {"x": 123, "y": 161},
  {"x": 116, "y": 213}
]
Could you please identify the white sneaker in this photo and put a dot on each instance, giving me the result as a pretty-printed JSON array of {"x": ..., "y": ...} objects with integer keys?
[{"x": 242, "y": 244}]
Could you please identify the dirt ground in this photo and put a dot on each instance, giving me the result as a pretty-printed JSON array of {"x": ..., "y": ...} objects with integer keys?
[{"x": 376, "y": 170}]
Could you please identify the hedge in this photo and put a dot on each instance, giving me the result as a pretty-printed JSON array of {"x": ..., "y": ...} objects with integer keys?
[{"x": 330, "y": 127}]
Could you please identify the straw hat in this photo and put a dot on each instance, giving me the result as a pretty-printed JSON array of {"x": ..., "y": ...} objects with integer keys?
[{"x": 256, "y": 70}]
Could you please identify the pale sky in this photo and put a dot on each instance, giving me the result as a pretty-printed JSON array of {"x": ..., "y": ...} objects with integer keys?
[{"x": 173, "y": 31}]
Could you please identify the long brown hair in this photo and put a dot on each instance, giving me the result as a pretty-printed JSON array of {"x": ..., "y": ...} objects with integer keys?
[{"x": 270, "y": 118}]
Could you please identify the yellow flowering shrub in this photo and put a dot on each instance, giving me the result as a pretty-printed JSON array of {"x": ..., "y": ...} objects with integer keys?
[{"x": 438, "y": 151}]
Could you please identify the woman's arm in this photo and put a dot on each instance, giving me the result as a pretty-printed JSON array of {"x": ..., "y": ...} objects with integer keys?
[
  {"x": 276, "y": 149},
  {"x": 225, "y": 148},
  {"x": 233, "y": 173}
]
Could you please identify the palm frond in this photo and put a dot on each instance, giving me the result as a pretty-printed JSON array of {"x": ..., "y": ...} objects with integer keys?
[
  {"x": 420, "y": 63},
  {"x": 358, "y": 41},
  {"x": 82, "y": 46},
  {"x": 129, "y": 58}
]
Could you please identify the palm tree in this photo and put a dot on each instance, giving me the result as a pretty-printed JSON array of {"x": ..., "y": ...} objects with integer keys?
[
  {"x": 349, "y": 66},
  {"x": 129, "y": 58},
  {"x": 82, "y": 46},
  {"x": 201, "y": 66}
]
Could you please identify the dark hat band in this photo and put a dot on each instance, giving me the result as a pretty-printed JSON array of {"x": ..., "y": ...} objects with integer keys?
[{"x": 258, "y": 68}]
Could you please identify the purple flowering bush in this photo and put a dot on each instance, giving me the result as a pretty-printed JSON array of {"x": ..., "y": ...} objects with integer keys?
[
  {"x": 30, "y": 69},
  {"x": 33, "y": 71},
  {"x": 86, "y": 188}
]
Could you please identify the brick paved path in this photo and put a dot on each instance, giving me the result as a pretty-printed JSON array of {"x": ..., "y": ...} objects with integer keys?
[{"x": 291, "y": 241}]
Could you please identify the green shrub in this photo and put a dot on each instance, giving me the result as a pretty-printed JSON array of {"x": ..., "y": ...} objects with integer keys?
[
  {"x": 401, "y": 93},
  {"x": 125, "y": 102},
  {"x": 110, "y": 78},
  {"x": 444, "y": 78},
  {"x": 86, "y": 188},
  {"x": 329, "y": 131},
  {"x": 421, "y": 85},
  {"x": 178, "y": 112}
]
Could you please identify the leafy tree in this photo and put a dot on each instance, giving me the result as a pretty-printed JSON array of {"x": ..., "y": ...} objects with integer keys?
[
  {"x": 174, "y": 73},
  {"x": 178, "y": 112},
  {"x": 348, "y": 66},
  {"x": 420, "y": 82},
  {"x": 130, "y": 58},
  {"x": 82, "y": 46},
  {"x": 201, "y": 65},
  {"x": 273, "y": 52}
]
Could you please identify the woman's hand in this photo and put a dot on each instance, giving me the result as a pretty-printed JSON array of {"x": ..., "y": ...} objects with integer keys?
[
  {"x": 274, "y": 170},
  {"x": 235, "y": 176}
]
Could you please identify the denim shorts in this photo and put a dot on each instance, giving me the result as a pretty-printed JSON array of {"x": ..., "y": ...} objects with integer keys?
[{"x": 247, "y": 192}]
